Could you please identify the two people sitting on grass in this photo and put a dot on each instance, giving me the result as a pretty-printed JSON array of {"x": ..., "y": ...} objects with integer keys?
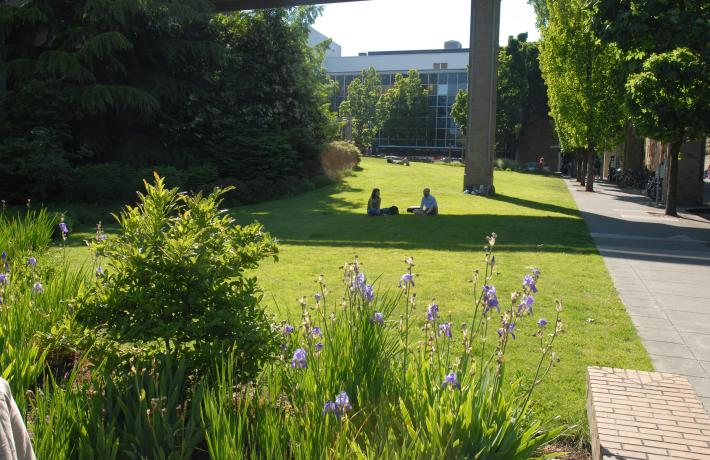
[{"x": 428, "y": 206}]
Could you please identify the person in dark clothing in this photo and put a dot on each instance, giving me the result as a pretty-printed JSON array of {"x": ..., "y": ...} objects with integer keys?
[{"x": 374, "y": 203}]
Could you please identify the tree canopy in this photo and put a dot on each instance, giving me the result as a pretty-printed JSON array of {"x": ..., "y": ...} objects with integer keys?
[
  {"x": 584, "y": 78},
  {"x": 117, "y": 88},
  {"x": 404, "y": 111},
  {"x": 667, "y": 47},
  {"x": 361, "y": 106},
  {"x": 521, "y": 94}
]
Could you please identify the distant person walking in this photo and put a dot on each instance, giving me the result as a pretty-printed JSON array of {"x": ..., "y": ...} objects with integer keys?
[
  {"x": 428, "y": 206},
  {"x": 541, "y": 163}
]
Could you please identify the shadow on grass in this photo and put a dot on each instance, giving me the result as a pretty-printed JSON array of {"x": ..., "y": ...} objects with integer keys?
[{"x": 535, "y": 205}]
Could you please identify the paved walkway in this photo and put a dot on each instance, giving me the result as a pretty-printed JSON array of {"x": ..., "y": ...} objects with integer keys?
[{"x": 661, "y": 268}]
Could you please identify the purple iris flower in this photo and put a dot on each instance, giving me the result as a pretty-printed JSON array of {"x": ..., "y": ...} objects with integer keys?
[
  {"x": 507, "y": 329},
  {"x": 529, "y": 282},
  {"x": 287, "y": 329},
  {"x": 319, "y": 346},
  {"x": 38, "y": 288},
  {"x": 330, "y": 407},
  {"x": 368, "y": 292},
  {"x": 99, "y": 270},
  {"x": 360, "y": 280},
  {"x": 318, "y": 297},
  {"x": 536, "y": 273},
  {"x": 3, "y": 256},
  {"x": 378, "y": 318},
  {"x": 343, "y": 402},
  {"x": 4, "y": 279},
  {"x": 542, "y": 322},
  {"x": 316, "y": 332},
  {"x": 526, "y": 305},
  {"x": 490, "y": 299},
  {"x": 445, "y": 329},
  {"x": 406, "y": 280},
  {"x": 299, "y": 359},
  {"x": 31, "y": 261},
  {"x": 451, "y": 381},
  {"x": 432, "y": 312},
  {"x": 283, "y": 347},
  {"x": 63, "y": 228}
]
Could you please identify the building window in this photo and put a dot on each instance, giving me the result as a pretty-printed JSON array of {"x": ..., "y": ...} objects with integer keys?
[{"x": 442, "y": 90}]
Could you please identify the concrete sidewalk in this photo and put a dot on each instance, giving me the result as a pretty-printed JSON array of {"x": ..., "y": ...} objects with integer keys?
[{"x": 661, "y": 267}]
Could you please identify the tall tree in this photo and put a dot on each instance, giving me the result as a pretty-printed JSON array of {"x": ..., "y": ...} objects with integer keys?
[
  {"x": 361, "y": 106},
  {"x": 670, "y": 102},
  {"x": 521, "y": 93},
  {"x": 584, "y": 80},
  {"x": 404, "y": 109},
  {"x": 668, "y": 43}
]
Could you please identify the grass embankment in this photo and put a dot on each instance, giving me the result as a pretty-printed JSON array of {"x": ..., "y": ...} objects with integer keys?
[{"x": 537, "y": 223}]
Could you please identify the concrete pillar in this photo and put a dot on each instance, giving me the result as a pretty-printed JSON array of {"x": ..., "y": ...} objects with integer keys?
[{"x": 482, "y": 82}]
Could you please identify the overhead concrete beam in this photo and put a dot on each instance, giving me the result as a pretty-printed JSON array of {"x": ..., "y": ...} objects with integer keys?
[{"x": 237, "y": 5}]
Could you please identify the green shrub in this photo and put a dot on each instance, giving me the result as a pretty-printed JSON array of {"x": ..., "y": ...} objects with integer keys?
[
  {"x": 103, "y": 183},
  {"x": 339, "y": 157},
  {"x": 506, "y": 164},
  {"x": 175, "y": 279}
]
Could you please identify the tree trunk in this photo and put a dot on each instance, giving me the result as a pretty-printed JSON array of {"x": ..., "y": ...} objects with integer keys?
[
  {"x": 580, "y": 165},
  {"x": 672, "y": 186},
  {"x": 590, "y": 169},
  {"x": 583, "y": 170}
]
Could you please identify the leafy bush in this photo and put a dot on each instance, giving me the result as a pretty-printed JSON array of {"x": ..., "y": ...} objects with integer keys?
[
  {"x": 506, "y": 164},
  {"x": 338, "y": 157},
  {"x": 175, "y": 279}
]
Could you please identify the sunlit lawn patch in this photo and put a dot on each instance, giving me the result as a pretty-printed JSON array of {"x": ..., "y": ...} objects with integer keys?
[{"x": 537, "y": 225}]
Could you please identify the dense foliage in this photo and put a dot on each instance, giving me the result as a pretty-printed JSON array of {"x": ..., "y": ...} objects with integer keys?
[
  {"x": 175, "y": 277},
  {"x": 667, "y": 47},
  {"x": 100, "y": 93},
  {"x": 584, "y": 78},
  {"x": 361, "y": 107},
  {"x": 404, "y": 111},
  {"x": 521, "y": 94}
]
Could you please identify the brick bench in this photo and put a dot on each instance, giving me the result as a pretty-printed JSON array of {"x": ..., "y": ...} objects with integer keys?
[{"x": 645, "y": 415}]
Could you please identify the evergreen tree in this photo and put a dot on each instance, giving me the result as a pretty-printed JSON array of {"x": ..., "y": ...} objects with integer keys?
[{"x": 115, "y": 88}]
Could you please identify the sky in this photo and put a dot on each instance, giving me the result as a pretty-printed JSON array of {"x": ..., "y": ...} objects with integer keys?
[{"x": 386, "y": 25}]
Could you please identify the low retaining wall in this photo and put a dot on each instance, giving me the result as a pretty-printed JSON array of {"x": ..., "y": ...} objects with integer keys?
[{"x": 645, "y": 416}]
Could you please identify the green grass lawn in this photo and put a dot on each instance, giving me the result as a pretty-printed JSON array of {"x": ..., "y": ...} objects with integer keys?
[{"x": 537, "y": 223}]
